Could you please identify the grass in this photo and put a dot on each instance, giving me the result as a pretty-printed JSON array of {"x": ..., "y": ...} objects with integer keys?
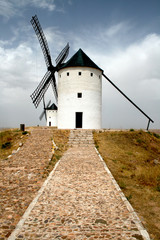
[
  {"x": 10, "y": 140},
  {"x": 60, "y": 138},
  {"x": 133, "y": 157}
]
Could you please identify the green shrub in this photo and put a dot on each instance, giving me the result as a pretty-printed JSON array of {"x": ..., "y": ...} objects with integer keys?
[
  {"x": 131, "y": 130},
  {"x": 24, "y": 133},
  {"x": 149, "y": 133},
  {"x": 122, "y": 185},
  {"x": 129, "y": 197},
  {"x": 158, "y": 188},
  {"x": 6, "y": 145},
  {"x": 156, "y": 135}
]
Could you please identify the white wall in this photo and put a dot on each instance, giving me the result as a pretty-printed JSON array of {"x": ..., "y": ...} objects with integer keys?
[
  {"x": 52, "y": 117},
  {"x": 90, "y": 103}
]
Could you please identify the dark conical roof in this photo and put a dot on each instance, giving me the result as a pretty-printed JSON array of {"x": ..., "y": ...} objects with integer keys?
[
  {"x": 52, "y": 107},
  {"x": 80, "y": 59}
]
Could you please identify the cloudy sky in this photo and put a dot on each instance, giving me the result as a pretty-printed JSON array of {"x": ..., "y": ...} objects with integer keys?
[{"x": 121, "y": 36}]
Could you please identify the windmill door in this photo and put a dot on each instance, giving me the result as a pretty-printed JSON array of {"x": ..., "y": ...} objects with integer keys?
[{"x": 79, "y": 117}]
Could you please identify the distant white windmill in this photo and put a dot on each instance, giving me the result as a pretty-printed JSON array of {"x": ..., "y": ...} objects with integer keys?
[{"x": 79, "y": 94}]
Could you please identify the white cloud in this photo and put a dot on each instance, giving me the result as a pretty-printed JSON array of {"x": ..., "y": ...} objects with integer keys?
[
  {"x": 7, "y": 9},
  {"x": 45, "y": 4},
  {"x": 20, "y": 72},
  {"x": 10, "y": 8},
  {"x": 16, "y": 68},
  {"x": 56, "y": 41},
  {"x": 104, "y": 38},
  {"x": 136, "y": 72},
  {"x": 138, "y": 62},
  {"x": 116, "y": 29}
]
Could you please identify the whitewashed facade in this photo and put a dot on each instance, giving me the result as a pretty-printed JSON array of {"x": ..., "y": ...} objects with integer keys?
[
  {"x": 51, "y": 118},
  {"x": 79, "y": 98}
]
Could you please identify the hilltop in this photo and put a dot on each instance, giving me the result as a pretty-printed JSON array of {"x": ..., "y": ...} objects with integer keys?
[{"x": 133, "y": 157}]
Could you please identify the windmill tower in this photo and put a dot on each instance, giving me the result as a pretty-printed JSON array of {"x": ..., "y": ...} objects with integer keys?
[
  {"x": 79, "y": 94},
  {"x": 51, "y": 115}
]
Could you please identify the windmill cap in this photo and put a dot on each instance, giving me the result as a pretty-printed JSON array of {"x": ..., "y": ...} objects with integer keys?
[
  {"x": 80, "y": 59},
  {"x": 52, "y": 107}
]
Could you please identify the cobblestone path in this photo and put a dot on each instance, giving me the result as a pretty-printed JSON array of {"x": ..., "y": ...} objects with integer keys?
[
  {"x": 79, "y": 201},
  {"x": 21, "y": 177}
]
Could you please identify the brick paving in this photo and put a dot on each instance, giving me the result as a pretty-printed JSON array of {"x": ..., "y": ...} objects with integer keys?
[
  {"x": 80, "y": 200},
  {"x": 21, "y": 177}
]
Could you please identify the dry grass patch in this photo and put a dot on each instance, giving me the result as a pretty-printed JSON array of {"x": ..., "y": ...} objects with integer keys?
[
  {"x": 10, "y": 140},
  {"x": 60, "y": 137},
  {"x": 134, "y": 160}
]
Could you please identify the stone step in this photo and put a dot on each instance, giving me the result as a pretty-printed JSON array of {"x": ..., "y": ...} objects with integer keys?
[
  {"x": 80, "y": 138},
  {"x": 79, "y": 141}
]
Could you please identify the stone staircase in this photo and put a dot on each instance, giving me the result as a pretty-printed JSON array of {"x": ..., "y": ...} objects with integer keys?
[{"x": 81, "y": 138}]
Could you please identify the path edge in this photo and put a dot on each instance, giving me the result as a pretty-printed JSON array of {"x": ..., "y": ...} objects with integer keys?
[
  {"x": 31, "y": 205},
  {"x": 137, "y": 220}
]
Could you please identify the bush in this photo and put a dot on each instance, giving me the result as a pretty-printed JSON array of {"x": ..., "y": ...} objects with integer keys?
[
  {"x": 158, "y": 188},
  {"x": 6, "y": 145},
  {"x": 24, "y": 133},
  {"x": 129, "y": 197},
  {"x": 122, "y": 185},
  {"x": 156, "y": 135},
  {"x": 149, "y": 133},
  {"x": 131, "y": 130}
]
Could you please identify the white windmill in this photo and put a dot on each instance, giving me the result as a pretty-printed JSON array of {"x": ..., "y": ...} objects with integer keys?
[{"x": 79, "y": 93}]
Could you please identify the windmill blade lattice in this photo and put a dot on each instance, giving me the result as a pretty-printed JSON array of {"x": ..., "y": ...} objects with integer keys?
[
  {"x": 63, "y": 55},
  {"x": 44, "y": 111},
  {"x": 53, "y": 83},
  {"x": 42, "y": 40},
  {"x": 39, "y": 92}
]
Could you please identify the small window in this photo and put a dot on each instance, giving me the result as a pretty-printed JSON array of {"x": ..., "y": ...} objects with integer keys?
[
  {"x": 67, "y": 73},
  {"x": 79, "y": 73},
  {"x": 79, "y": 95},
  {"x": 99, "y": 76},
  {"x": 91, "y": 74}
]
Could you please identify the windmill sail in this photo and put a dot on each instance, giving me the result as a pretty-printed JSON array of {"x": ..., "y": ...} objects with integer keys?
[
  {"x": 53, "y": 84},
  {"x": 44, "y": 111},
  {"x": 39, "y": 92},
  {"x": 63, "y": 55},
  {"x": 49, "y": 77},
  {"x": 42, "y": 40}
]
